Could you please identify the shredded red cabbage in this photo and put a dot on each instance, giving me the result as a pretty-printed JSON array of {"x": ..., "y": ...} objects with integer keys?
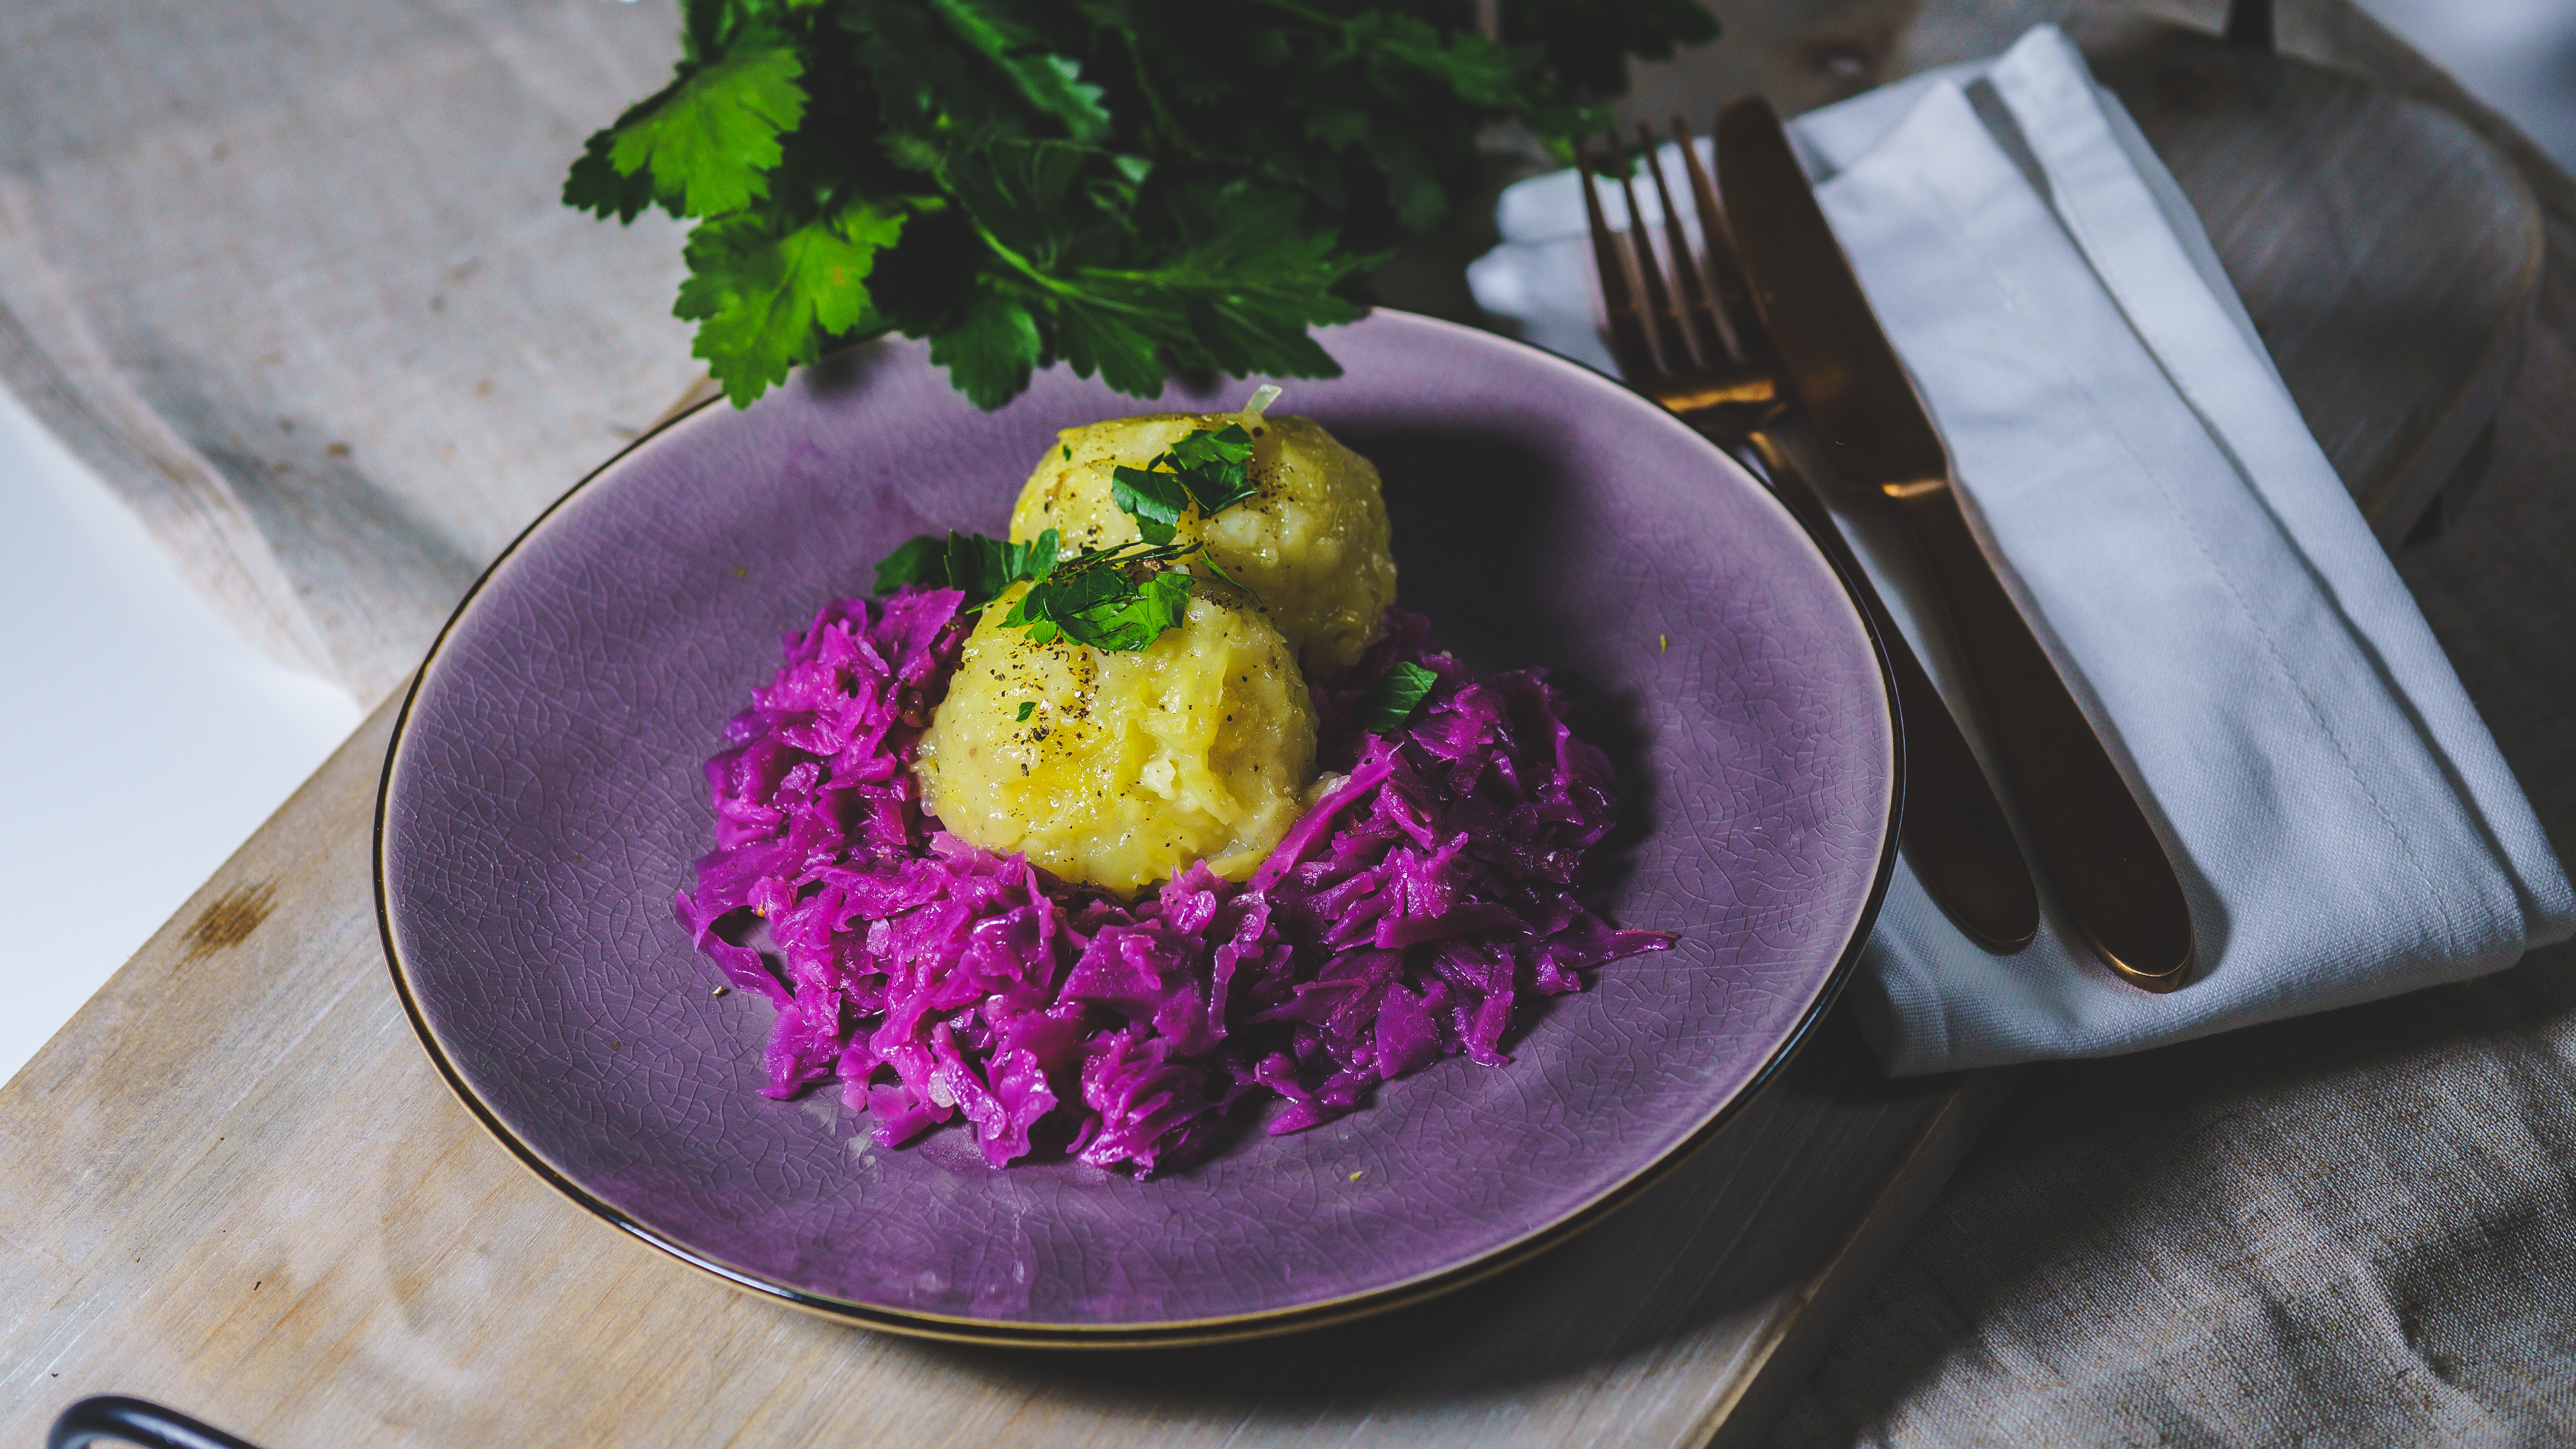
[{"x": 1398, "y": 922}]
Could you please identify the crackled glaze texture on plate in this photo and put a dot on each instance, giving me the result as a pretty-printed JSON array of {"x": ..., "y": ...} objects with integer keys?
[{"x": 544, "y": 799}]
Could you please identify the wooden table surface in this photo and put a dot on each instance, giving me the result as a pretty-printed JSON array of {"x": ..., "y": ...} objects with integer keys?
[{"x": 234, "y": 1182}]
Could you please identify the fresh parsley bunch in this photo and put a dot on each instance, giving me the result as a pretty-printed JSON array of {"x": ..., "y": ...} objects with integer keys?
[{"x": 1131, "y": 186}]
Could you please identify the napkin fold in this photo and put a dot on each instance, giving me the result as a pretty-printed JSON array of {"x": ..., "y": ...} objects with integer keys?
[{"x": 2343, "y": 824}]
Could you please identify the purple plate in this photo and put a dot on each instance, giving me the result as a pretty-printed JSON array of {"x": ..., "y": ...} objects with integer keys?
[{"x": 542, "y": 800}]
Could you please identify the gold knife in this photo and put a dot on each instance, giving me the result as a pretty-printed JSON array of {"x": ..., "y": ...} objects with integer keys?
[{"x": 2094, "y": 841}]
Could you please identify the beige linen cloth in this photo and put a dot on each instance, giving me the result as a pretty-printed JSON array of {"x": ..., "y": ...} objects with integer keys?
[
  {"x": 291, "y": 275},
  {"x": 2357, "y": 1228}
]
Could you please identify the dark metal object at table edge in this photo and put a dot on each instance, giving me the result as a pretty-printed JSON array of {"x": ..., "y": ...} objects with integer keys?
[
  {"x": 2094, "y": 839},
  {"x": 116, "y": 1418}
]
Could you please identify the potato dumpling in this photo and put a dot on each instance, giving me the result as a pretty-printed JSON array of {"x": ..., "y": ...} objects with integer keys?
[
  {"x": 1127, "y": 766},
  {"x": 1313, "y": 544}
]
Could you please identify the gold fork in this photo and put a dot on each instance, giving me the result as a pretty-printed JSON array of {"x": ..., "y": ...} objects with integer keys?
[{"x": 1698, "y": 347}]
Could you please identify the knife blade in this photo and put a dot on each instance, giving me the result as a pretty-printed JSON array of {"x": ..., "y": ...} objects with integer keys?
[{"x": 2094, "y": 841}]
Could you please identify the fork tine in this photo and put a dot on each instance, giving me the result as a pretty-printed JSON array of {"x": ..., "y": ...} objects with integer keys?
[
  {"x": 1627, "y": 331},
  {"x": 1706, "y": 334},
  {"x": 1718, "y": 254},
  {"x": 1659, "y": 300}
]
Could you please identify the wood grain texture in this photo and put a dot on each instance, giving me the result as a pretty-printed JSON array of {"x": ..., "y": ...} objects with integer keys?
[{"x": 235, "y": 1183}]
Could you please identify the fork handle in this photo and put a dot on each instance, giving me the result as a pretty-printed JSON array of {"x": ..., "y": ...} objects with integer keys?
[
  {"x": 1954, "y": 830},
  {"x": 2111, "y": 873}
]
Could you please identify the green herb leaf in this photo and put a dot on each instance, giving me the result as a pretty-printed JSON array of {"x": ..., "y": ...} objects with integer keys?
[
  {"x": 596, "y": 185},
  {"x": 1131, "y": 189},
  {"x": 1076, "y": 593},
  {"x": 1051, "y": 83},
  {"x": 1099, "y": 599},
  {"x": 983, "y": 567},
  {"x": 1027, "y": 707},
  {"x": 1096, "y": 338},
  {"x": 1209, "y": 468},
  {"x": 920, "y": 559},
  {"x": 991, "y": 352},
  {"x": 1213, "y": 448},
  {"x": 1242, "y": 282},
  {"x": 975, "y": 565},
  {"x": 764, "y": 301},
  {"x": 710, "y": 140},
  {"x": 1215, "y": 466},
  {"x": 1208, "y": 562},
  {"x": 1131, "y": 623},
  {"x": 1392, "y": 697},
  {"x": 1155, "y": 500},
  {"x": 1020, "y": 193},
  {"x": 1032, "y": 560}
]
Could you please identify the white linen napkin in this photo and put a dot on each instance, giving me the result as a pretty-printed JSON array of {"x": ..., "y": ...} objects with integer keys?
[{"x": 2341, "y": 819}]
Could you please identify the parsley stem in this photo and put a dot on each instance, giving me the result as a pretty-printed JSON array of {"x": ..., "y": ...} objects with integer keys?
[
  {"x": 1063, "y": 288},
  {"x": 1152, "y": 91}
]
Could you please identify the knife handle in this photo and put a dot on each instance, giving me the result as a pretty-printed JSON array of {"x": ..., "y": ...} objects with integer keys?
[
  {"x": 2111, "y": 872},
  {"x": 1954, "y": 828}
]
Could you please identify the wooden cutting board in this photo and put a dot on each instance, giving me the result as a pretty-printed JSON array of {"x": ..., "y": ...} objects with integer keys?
[{"x": 235, "y": 1184}]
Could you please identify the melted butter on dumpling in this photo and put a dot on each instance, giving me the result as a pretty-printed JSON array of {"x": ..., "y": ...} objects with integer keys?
[
  {"x": 1130, "y": 765},
  {"x": 1313, "y": 544}
]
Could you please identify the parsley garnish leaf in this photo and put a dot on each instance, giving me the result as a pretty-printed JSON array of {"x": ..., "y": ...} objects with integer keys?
[
  {"x": 1120, "y": 598},
  {"x": 1210, "y": 468},
  {"x": 977, "y": 566},
  {"x": 1139, "y": 618},
  {"x": 1155, "y": 500},
  {"x": 1226, "y": 447},
  {"x": 1392, "y": 697},
  {"x": 997, "y": 568},
  {"x": 1208, "y": 561},
  {"x": 920, "y": 559},
  {"x": 1103, "y": 600},
  {"x": 1215, "y": 466}
]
